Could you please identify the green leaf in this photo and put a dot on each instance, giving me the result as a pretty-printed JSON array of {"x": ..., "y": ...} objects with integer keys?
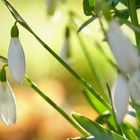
[
  {"x": 88, "y": 7},
  {"x": 13, "y": 11},
  {"x": 137, "y": 3},
  {"x": 113, "y": 3},
  {"x": 95, "y": 129},
  {"x": 128, "y": 132},
  {"x": 103, "y": 117},
  {"x": 122, "y": 14},
  {"x": 86, "y": 23},
  {"x": 92, "y": 3},
  {"x": 98, "y": 106},
  {"x": 137, "y": 109}
]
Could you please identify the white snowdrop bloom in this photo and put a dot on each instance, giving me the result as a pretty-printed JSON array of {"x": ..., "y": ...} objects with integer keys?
[
  {"x": 124, "y": 52},
  {"x": 127, "y": 57},
  {"x": 16, "y": 59},
  {"x": 7, "y": 104},
  {"x": 120, "y": 97}
]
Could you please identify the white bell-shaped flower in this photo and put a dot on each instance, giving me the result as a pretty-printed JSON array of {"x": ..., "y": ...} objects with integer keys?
[
  {"x": 16, "y": 60},
  {"x": 7, "y": 100},
  {"x": 120, "y": 97},
  {"x": 16, "y": 57},
  {"x": 124, "y": 52}
]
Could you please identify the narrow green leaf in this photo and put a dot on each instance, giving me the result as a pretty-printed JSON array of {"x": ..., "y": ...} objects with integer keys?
[
  {"x": 137, "y": 109},
  {"x": 101, "y": 119},
  {"x": 13, "y": 11},
  {"x": 92, "y": 3},
  {"x": 112, "y": 3},
  {"x": 122, "y": 14},
  {"x": 128, "y": 132},
  {"x": 87, "y": 8},
  {"x": 98, "y": 106},
  {"x": 86, "y": 23},
  {"x": 95, "y": 129},
  {"x": 115, "y": 2}
]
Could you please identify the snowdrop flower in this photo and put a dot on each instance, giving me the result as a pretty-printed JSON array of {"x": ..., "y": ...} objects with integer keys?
[
  {"x": 7, "y": 101},
  {"x": 124, "y": 52},
  {"x": 16, "y": 57},
  {"x": 120, "y": 96},
  {"x": 127, "y": 57}
]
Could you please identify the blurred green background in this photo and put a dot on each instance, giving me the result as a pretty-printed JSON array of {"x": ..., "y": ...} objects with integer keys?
[{"x": 36, "y": 120}]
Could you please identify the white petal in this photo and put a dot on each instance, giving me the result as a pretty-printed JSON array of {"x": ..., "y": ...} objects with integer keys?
[
  {"x": 16, "y": 60},
  {"x": 120, "y": 97},
  {"x": 124, "y": 52},
  {"x": 7, "y": 104},
  {"x": 134, "y": 85}
]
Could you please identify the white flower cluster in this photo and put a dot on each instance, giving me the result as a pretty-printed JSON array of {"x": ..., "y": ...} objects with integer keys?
[
  {"x": 128, "y": 80},
  {"x": 16, "y": 64}
]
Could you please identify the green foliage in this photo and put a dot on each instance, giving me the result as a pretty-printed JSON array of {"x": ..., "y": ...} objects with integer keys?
[
  {"x": 108, "y": 10},
  {"x": 95, "y": 129},
  {"x": 88, "y": 6},
  {"x": 86, "y": 23}
]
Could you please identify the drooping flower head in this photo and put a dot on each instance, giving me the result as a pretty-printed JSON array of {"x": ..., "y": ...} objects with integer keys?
[
  {"x": 7, "y": 100},
  {"x": 16, "y": 56},
  {"x": 128, "y": 60}
]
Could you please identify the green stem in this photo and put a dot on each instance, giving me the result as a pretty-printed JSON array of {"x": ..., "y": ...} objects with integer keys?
[
  {"x": 62, "y": 112},
  {"x": 134, "y": 18}
]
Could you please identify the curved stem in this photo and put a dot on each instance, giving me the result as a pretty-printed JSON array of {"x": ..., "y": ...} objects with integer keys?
[{"x": 55, "y": 106}]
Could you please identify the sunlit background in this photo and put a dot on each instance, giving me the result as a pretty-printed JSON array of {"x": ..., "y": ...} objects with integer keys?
[{"x": 36, "y": 119}]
